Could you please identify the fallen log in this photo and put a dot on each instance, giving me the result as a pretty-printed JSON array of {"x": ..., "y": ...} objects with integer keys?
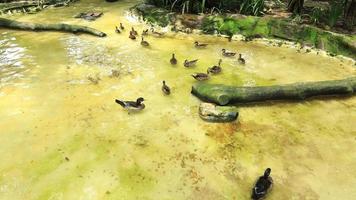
[
  {"x": 223, "y": 95},
  {"x": 12, "y": 24}
]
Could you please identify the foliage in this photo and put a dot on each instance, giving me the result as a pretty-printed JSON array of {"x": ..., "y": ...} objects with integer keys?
[
  {"x": 252, "y": 7},
  {"x": 334, "y": 13}
]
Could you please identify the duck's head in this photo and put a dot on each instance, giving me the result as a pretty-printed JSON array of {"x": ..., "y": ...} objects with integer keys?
[
  {"x": 132, "y": 28},
  {"x": 173, "y": 55},
  {"x": 185, "y": 61},
  {"x": 240, "y": 55},
  {"x": 267, "y": 173},
  {"x": 140, "y": 100},
  {"x": 164, "y": 82},
  {"x": 220, "y": 61},
  {"x": 196, "y": 42},
  {"x": 223, "y": 50}
]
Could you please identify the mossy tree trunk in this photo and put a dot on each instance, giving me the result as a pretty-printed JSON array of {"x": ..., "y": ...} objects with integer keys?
[
  {"x": 222, "y": 94},
  {"x": 295, "y": 6},
  {"x": 12, "y": 24}
]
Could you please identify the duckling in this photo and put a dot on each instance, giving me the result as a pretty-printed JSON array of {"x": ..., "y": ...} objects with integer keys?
[
  {"x": 215, "y": 69},
  {"x": 165, "y": 89},
  {"x": 132, "y": 105},
  {"x": 145, "y": 32},
  {"x": 241, "y": 60},
  {"x": 132, "y": 37},
  {"x": 173, "y": 60},
  {"x": 200, "y": 45},
  {"x": 117, "y": 30},
  {"x": 228, "y": 53},
  {"x": 122, "y": 26},
  {"x": 155, "y": 33},
  {"x": 200, "y": 76},
  {"x": 262, "y": 186},
  {"x": 133, "y": 31},
  {"x": 190, "y": 63},
  {"x": 144, "y": 43}
]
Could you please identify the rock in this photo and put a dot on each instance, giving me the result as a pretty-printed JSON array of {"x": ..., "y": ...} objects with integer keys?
[{"x": 213, "y": 113}]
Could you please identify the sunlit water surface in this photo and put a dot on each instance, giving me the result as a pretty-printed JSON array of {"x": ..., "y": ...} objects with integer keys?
[{"x": 63, "y": 137}]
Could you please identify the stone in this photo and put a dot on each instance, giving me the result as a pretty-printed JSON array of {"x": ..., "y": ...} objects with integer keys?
[{"x": 213, "y": 113}]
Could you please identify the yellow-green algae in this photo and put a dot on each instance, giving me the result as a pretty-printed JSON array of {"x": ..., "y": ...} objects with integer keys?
[{"x": 63, "y": 137}]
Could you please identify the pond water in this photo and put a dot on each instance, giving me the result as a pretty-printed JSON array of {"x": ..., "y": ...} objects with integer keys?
[{"x": 62, "y": 136}]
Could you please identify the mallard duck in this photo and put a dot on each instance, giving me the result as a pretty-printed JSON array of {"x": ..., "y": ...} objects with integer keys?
[
  {"x": 200, "y": 76},
  {"x": 144, "y": 43},
  {"x": 262, "y": 186},
  {"x": 241, "y": 60},
  {"x": 155, "y": 33},
  {"x": 200, "y": 45},
  {"x": 133, "y": 31},
  {"x": 145, "y": 32},
  {"x": 132, "y": 37},
  {"x": 165, "y": 89},
  {"x": 215, "y": 69},
  {"x": 190, "y": 63},
  {"x": 122, "y": 26},
  {"x": 132, "y": 105},
  {"x": 173, "y": 60},
  {"x": 117, "y": 30},
  {"x": 227, "y": 53}
]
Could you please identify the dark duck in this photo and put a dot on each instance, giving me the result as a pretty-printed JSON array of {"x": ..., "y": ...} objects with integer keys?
[
  {"x": 122, "y": 26},
  {"x": 215, "y": 69},
  {"x": 190, "y": 63},
  {"x": 227, "y": 53},
  {"x": 117, "y": 30},
  {"x": 165, "y": 89},
  {"x": 133, "y": 31},
  {"x": 132, "y": 37},
  {"x": 173, "y": 60},
  {"x": 200, "y": 45},
  {"x": 262, "y": 186},
  {"x": 200, "y": 76},
  {"x": 144, "y": 42},
  {"x": 132, "y": 105},
  {"x": 241, "y": 60}
]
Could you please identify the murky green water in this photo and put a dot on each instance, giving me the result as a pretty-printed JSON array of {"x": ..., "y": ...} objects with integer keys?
[{"x": 63, "y": 137}]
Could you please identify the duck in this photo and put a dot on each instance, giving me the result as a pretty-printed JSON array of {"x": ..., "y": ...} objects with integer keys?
[
  {"x": 173, "y": 60},
  {"x": 122, "y": 26},
  {"x": 117, "y": 30},
  {"x": 145, "y": 32},
  {"x": 133, "y": 31},
  {"x": 200, "y": 45},
  {"x": 132, "y": 105},
  {"x": 132, "y": 37},
  {"x": 144, "y": 43},
  {"x": 200, "y": 76},
  {"x": 228, "y": 53},
  {"x": 155, "y": 33},
  {"x": 165, "y": 89},
  {"x": 262, "y": 186},
  {"x": 215, "y": 69},
  {"x": 241, "y": 60},
  {"x": 190, "y": 63}
]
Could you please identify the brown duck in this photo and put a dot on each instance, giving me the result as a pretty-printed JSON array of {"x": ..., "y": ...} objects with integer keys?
[
  {"x": 190, "y": 63},
  {"x": 165, "y": 89},
  {"x": 200, "y": 76},
  {"x": 173, "y": 60},
  {"x": 215, "y": 69}
]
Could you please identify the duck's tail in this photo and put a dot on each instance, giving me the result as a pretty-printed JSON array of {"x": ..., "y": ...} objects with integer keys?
[{"x": 121, "y": 103}]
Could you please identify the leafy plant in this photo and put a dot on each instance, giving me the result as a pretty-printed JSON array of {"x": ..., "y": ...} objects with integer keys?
[
  {"x": 334, "y": 12},
  {"x": 252, "y": 7}
]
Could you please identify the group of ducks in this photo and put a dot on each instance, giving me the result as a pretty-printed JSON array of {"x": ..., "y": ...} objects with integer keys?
[
  {"x": 216, "y": 69},
  {"x": 264, "y": 183}
]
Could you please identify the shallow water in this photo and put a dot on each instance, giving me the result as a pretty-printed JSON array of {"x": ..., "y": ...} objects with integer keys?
[{"x": 63, "y": 136}]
